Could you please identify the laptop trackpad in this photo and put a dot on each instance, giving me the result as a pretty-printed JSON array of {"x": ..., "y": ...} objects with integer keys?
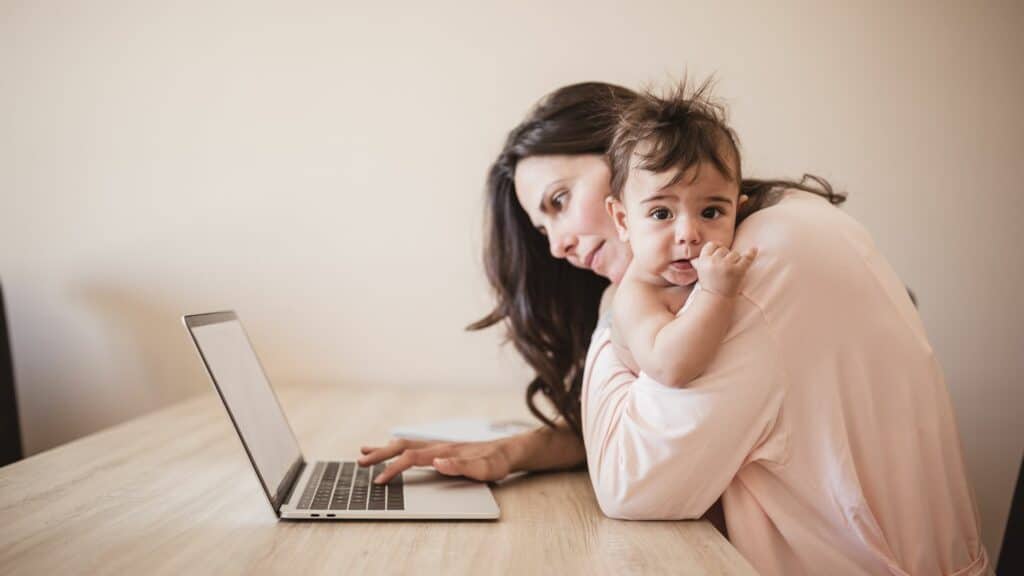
[{"x": 433, "y": 494}]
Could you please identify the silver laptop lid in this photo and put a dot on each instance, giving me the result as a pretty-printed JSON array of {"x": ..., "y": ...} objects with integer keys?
[{"x": 250, "y": 401}]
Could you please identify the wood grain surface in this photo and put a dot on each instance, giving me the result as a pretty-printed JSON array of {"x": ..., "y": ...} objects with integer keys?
[{"x": 173, "y": 492}]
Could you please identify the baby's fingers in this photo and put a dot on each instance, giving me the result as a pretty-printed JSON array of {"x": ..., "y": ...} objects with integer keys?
[
  {"x": 707, "y": 250},
  {"x": 744, "y": 261}
]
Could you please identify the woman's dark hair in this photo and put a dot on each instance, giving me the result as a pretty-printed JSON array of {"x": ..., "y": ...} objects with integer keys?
[{"x": 549, "y": 307}]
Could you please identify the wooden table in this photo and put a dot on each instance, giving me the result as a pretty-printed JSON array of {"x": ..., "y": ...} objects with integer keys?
[{"x": 173, "y": 492}]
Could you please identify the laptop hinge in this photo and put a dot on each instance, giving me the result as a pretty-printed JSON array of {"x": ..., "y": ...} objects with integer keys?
[{"x": 284, "y": 492}]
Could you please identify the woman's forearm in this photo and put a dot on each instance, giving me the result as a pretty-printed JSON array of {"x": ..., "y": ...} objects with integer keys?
[{"x": 545, "y": 449}]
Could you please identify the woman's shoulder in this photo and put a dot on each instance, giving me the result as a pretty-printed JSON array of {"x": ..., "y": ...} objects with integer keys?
[
  {"x": 813, "y": 259},
  {"x": 800, "y": 239},
  {"x": 797, "y": 219}
]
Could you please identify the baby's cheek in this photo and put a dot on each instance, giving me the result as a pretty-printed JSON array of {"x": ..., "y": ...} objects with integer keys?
[
  {"x": 641, "y": 248},
  {"x": 650, "y": 259}
]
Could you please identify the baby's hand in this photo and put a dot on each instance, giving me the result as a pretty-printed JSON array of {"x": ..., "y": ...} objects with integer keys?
[{"x": 720, "y": 269}]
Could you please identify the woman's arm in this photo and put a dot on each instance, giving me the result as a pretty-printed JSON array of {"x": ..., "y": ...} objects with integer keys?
[
  {"x": 540, "y": 449},
  {"x": 546, "y": 449}
]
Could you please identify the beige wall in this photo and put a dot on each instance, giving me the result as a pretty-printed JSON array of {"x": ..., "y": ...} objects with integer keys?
[{"x": 319, "y": 168}]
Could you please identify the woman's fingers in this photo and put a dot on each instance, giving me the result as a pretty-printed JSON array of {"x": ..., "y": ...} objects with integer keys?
[
  {"x": 374, "y": 454},
  {"x": 484, "y": 461},
  {"x": 475, "y": 468},
  {"x": 410, "y": 458},
  {"x": 483, "y": 468},
  {"x": 394, "y": 469}
]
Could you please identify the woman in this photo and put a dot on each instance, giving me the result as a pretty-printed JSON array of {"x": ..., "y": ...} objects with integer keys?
[{"x": 823, "y": 422}]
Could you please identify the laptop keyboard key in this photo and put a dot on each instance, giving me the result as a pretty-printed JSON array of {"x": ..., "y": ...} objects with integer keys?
[
  {"x": 344, "y": 487},
  {"x": 360, "y": 489},
  {"x": 377, "y": 491},
  {"x": 323, "y": 491},
  {"x": 308, "y": 493},
  {"x": 348, "y": 486},
  {"x": 396, "y": 494}
]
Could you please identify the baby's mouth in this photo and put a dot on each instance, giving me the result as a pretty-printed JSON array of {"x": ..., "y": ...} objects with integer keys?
[{"x": 681, "y": 265}]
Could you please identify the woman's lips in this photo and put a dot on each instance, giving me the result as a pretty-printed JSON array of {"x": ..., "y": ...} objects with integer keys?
[{"x": 592, "y": 259}]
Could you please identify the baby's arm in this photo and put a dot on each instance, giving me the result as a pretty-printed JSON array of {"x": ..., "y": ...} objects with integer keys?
[
  {"x": 637, "y": 309},
  {"x": 675, "y": 350},
  {"x": 622, "y": 351}
]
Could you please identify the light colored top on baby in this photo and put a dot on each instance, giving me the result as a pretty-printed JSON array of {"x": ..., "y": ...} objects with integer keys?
[{"x": 823, "y": 422}]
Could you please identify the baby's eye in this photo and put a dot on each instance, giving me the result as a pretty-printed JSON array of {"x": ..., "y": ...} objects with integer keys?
[
  {"x": 711, "y": 213},
  {"x": 661, "y": 214}
]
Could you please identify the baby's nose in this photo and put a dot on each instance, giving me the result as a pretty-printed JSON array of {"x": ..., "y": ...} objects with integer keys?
[{"x": 688, "y": 233}]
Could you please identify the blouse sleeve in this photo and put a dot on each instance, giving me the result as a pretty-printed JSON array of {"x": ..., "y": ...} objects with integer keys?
[{"x": 656, "y": 452}]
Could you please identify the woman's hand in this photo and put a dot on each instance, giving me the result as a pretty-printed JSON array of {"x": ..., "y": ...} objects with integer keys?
[
  {"x": 541, "y": 449},
  {"x": 483, "y": 461}
]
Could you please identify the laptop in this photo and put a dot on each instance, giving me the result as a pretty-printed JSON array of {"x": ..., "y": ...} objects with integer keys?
[{"x": 319, "y": 490}]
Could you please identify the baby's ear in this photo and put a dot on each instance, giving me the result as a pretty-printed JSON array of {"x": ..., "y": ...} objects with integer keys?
[{"x": 618, "y": 214}]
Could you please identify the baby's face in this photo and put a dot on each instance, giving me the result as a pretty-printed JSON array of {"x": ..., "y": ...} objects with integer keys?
[{"x": 668, "y": 224}]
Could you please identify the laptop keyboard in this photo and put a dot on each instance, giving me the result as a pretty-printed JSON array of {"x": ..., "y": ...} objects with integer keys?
[{"x": 348, "y": 486}]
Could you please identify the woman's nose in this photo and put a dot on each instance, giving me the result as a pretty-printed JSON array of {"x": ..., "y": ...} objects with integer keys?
[{"x": 560, "y": 243}]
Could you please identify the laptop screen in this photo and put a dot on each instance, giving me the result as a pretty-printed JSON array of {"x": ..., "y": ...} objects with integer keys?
[{"x": 238, "y": 376}]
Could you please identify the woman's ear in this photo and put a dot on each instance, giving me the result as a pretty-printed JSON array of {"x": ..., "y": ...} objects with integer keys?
[
  {"x": 618, "y": 215},
  {"x": 743, "y": 200}
]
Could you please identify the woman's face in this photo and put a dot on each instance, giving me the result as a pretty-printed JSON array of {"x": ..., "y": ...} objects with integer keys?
[{"x": 564, "y": 196}]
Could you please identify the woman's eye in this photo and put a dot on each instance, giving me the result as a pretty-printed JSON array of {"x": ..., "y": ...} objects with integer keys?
[
  {"x": 558, "y": 200},
  {"x": 711, "y": 213},
  {"x": 661, "y": 214}
]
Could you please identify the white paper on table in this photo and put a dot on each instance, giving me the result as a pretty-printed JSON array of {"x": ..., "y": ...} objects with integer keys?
[{"x": 462, "y": 430}]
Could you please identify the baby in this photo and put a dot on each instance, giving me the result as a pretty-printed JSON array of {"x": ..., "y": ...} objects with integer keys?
[{"x": 675, "y": 198}]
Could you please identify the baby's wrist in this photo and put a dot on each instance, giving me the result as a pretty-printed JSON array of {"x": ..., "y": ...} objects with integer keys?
[{"x": 718, "y": 292}]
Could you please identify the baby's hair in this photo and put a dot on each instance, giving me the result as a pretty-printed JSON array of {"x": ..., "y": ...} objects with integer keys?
[
  {"x": 679, "y": 130},
  {"x": 684, "y": 129}
]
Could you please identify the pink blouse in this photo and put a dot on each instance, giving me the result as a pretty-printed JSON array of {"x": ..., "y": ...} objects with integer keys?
[{"x": 823, "y": 423}]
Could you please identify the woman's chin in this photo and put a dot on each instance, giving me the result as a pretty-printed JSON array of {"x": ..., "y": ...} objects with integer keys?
[
  {"x": 614, "y": 274},
  {"x": 614, "y": 264}
]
